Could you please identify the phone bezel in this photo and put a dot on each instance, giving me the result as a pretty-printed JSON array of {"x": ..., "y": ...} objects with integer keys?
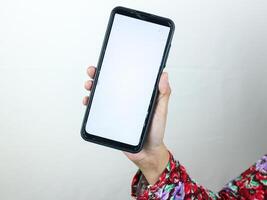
[{"x": 142, "y": 16}]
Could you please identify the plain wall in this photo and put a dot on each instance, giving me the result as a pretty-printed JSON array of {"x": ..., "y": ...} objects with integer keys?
[{"x": 217, "y": 118}]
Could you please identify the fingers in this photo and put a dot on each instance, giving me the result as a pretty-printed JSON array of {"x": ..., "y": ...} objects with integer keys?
[
  {"x": 85, "y": 100},
  {"x": 164, "y": 86},
  {"x": 88, "y": 85},
  {"x": 91, "y": 71},
  {"x": 165, "y": 91}
]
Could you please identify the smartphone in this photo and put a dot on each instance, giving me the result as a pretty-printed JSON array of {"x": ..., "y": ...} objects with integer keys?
[{"x": 125, "y": 87}]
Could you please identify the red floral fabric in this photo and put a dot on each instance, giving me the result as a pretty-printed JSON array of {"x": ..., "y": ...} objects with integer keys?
[{"x": 175, "y": 184}]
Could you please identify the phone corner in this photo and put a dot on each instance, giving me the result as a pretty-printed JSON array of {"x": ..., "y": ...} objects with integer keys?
[
  {"x": 137, "y": 148},
  {"x": 171, "y": 24},
  {"x": 116, "y": 9},
  {"x": 83, "y": 133}
]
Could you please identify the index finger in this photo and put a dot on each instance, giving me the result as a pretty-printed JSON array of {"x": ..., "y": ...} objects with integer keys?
[{"x": 91, "y": 71}]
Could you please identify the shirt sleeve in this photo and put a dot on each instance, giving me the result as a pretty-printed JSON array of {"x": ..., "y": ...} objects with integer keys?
[{"x": 175, "y": 184}]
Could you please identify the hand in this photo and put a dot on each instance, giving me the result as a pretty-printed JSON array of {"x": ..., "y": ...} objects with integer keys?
[{"x": 154, "y": 156}]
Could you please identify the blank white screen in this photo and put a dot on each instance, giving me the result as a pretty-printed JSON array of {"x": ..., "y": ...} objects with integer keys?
[{"x": 127, "y": 78}]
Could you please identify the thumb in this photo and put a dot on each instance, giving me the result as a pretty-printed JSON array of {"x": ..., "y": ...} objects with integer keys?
[{"x": 164, "y": 94}]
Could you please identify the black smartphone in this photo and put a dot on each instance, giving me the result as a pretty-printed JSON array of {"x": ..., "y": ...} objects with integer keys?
[{"x": 125, "y": 87}]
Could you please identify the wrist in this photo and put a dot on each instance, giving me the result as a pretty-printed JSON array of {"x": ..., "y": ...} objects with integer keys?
[{"x": 154, "y": 163}]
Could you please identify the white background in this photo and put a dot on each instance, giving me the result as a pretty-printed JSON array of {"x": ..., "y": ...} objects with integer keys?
[{"x": 217, "y": 118}]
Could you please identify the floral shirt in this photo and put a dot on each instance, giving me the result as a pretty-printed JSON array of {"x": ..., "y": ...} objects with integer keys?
[{"x": 175, "y": 184}]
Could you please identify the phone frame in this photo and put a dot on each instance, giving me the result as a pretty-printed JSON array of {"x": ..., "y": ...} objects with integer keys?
[{"x": 146, "y": 17}]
